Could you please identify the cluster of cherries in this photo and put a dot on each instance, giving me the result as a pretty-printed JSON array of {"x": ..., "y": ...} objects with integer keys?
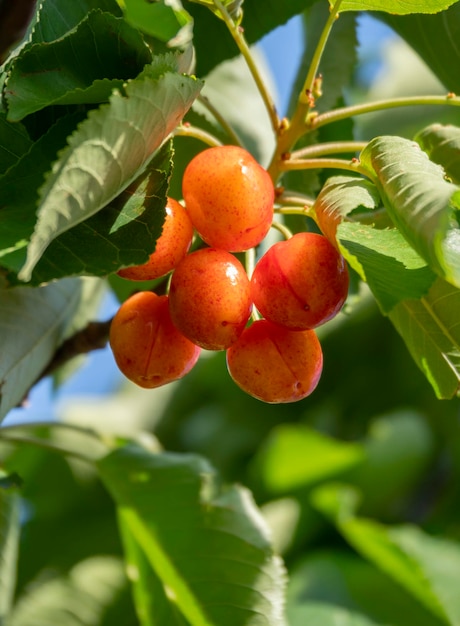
[{"x": 297, "y": 285}]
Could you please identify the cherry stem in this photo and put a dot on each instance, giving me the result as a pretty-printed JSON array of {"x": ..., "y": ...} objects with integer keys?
[
  {"x": 284, "y": 230},
  {"x": 187, "y": 130},
  {"x": 238, "y": 36},
  {"x": 320, "y": 163},
  {"x": 204, "y": 100},
  {"x": 332, "y": 147},
  {"x": 336, "y": 115}
]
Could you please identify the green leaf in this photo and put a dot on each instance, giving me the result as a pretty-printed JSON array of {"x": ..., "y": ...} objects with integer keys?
[
  {"x": 442, "y": 144},
  {"x": 122, "y": 233},
  {"x": 430, "y": 329},
  {"x": 108, "y": 151},
  {"x": 14, "y": 142},
  {"x": 81, "y": 597},
  {"x": 421, "y": 203},
  {"x": 233, "y": 7},
  {"x": 9, "y": 543},
  {"x": 84, "y": 66},
  {"x": 169, "y": 22},
  {"x": 33, "y": 323},
  {"x": 434, "y": 38},
  {"x": 397, "y": 7},
  {"x": 374, "y": 542},
  {"x": 296, "y": 456},
  {"x": 425, "y": 566},
  {"x": 323, "y": 614},
  {"x": 384, "y": 259},
  {"x": 19, "y": 190},
  {"x": 208, "y": 546}
]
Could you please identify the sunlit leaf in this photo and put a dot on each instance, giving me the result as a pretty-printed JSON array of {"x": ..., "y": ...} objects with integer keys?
[
  {"x": 421, "y": 202},
  {"x": 325, "y": 615},
  {"x": 430, "y": 329},
  {"x": 9, "y": 544},
  {"x": 109, "y": 150},
  {"x": 442, "y": 144},
  {"x": 384, "y": 259},
  {"x": 295, "y": 456},
  {"x": 208, "y": 546},
  {"x": 233, "y": 7},
  {"x": 397, "y": 7},
  {"x": 33, "y": 323},
  {"x": 167, "y": 21},
  {"x": 82, "y": 67}
]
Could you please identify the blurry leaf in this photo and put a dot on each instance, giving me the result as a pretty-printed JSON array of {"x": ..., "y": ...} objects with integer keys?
[
  {"x": 259, "y": 19},
  {"x": 9, "y": 541},
  {"x": 397, "y": 7},
  {"x": 325, "y": 615},
  {"x": 422, "y": 204},
  {"x": 345, "y": 581},
  {"x": 84, "y": 66},
  {"x": 109, "y": 150},
  {"x": 295, "y": 456},
  {"x": 208, "y": 546},
  {"x": 167, "y": 21},
  {"x": 430, "y": 329},
  {"x": 384, "y": 259},
  {"x": 81, "y": 597},
  {"x": 122, "y": 233},
  {"x": 434, "y": 38},
  {"x": 233, "y": 7},
  {"x": 403, "y": 553},
  {"x": 32, "y": 325},
  {"x": 14, "y": 142},
  {"x": 442, "y": 144}
]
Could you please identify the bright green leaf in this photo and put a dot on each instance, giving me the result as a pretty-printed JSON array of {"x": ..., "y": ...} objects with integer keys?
[
  {"x": 442, "y": 144},
  {"x": 208, "y": 546},
  {"x": 82, "y": 67},
  {"x": 108, "y": 151},
  {"x": 397, "y": 7},
  {"x": 423, "y": 205},
  {"x": 430, "y": 329},
  {"x": 33, "y": 323},
  {"x": 9, "y": 543},
  {"x": 233, "y": 7},
  {"x": 295, "y": 456},
  {"x": 166, "y": 21},
  {"x": 384, "y": 259},
  {"x": 323, "y": 614}
]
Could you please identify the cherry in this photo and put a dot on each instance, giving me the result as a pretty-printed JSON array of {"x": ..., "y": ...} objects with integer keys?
[
  {"x": 209, "y": 298},
  {"x": 274, "y": 364},
  {"x": 172, "y": 245},
  {"x": 229, "y": 197},
  {"x": 300, "y": 283},
  {"x": 148, "y": 348}
]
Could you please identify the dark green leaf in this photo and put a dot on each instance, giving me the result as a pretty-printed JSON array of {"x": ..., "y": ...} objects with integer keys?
[
  {"x": 434, "y": 38},
  {"x": 208, "y": 546},
  {"x": 430, "y": 329},
  {"x": 14, "y": 142},
  {"x": 121, "y": 234},
  {"x": 422, "y": 204},
  {"x": 442, "y": 144},
  {"x": 84, "y": 66},
  {"x": 109, "y": 150}
]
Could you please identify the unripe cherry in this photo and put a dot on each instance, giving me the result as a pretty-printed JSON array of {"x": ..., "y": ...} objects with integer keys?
[
  {"x": 300, "y": 283},
  {"x": 229, "y": 197},
  {"x": 209, "y": 298},
  {"x": 171, "y": 247},
  {"x": 148, "y": 348},
  {"x": 274, "y": 364}
]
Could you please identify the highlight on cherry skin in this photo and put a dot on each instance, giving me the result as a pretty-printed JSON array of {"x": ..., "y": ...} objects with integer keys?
[
  {"x": 209, "y": 298},
  {"x": 171, "y": 247},
  {"x": 229, "y": 197},
  {"x": 147, "y": 347},
  {"x": 274, "y": 364},
  {"x": 300, "y": 283}
]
